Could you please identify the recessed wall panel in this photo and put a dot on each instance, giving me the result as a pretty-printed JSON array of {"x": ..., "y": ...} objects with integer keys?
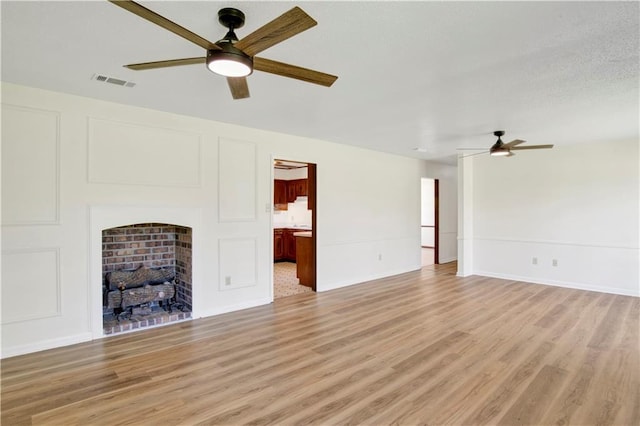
[
  {"x": 238, "y": 267},
  {"x": 30, "y": 166},
  {"x": 30, "y": 284},
  {"x": 128, "y": 153},
  {"x": 237, "y": 180}
]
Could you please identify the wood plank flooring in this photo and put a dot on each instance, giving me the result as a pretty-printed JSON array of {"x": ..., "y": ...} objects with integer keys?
[{"x": 424, "y": 347}]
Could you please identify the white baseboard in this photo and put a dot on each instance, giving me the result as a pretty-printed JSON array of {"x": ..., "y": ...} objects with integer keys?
[
  {"x": 232, "y": 308},
  {"x": 45, "y": 344},
  {"x": 88, "y": 337},
  {"x": 361, "y": 280},
  {"x": 577, "y": 286}
]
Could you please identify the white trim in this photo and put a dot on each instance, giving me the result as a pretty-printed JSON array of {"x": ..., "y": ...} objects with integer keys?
[
  {"x": 272, "y": 194},
  {"x": 368, "y": 240},
  {"x": 58, "y": 311},
  {"x": 360, "y": 280},
  {"x": 560, "y": 243},
  {"x": 104, "y": 217},
  {"x": 89, "y": 145},
  {"x": 221, "y": 284},
  {"x": 45, "y": 344},
  {"x": 556, "y": 283},
  {"x": 237, "y": 307},
  {"x": 56, "y": 220},
  {"x": 255, "y": 215}
]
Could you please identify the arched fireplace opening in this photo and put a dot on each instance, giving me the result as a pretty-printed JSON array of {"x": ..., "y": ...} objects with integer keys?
[{"x": 146, "y": 276}]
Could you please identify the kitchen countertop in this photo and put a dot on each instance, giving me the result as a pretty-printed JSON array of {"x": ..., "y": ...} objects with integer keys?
[{"x": 302, "y": 234}]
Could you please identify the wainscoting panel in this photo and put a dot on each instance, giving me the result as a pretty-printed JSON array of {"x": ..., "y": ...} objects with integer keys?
[
  {"x": 237, "y": 180},
  {"x": 30, "y": 284},
  {"x": 448, "y": 249},
  {"x": 238, "y": 267},
  {"x": 351, "y": 262},
  {"x": 30, "y": 156},
  {"x": 135, "y": 154},
  {"x": 594, "y": 267}
]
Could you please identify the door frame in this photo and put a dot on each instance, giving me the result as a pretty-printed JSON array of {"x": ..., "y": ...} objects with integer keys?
[
  {"x": 436, "y": 219},
  {"x": 312, "y": 200}
]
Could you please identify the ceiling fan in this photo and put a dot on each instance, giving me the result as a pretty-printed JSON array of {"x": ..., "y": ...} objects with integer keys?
[
  {"x": 233, "y": 58},
  {"x": 501, "y": 149}
]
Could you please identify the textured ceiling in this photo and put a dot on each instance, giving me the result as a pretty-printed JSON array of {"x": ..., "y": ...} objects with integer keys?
[{"x": 430, "y": 75}]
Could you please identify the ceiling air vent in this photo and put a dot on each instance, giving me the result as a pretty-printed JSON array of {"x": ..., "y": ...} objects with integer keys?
[{"x": 112, "y": 80}]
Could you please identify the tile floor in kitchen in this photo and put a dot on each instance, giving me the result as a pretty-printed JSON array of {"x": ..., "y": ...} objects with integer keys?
[{"x": 285, "y": 282}]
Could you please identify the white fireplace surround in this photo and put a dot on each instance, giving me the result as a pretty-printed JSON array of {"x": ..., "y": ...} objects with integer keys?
[{"x": 105, "y": 217}]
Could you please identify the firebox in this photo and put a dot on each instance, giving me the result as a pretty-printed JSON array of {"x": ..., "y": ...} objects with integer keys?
[{"x": 146, "y": 276}]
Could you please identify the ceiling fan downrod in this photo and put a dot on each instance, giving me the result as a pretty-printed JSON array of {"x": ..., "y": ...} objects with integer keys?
[{"x": 232, "y": 19}]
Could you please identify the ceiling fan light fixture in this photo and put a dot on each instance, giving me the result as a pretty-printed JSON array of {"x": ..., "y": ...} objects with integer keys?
[
  {"x": 229, "y": 61},
  {"x": 499, "y": 152}
]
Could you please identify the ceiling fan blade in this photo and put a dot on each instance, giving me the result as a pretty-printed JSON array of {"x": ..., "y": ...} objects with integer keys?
[
  {"x": 165, "y": 64},
  {"x": 151, "y": 16},
  {"x": 532, "y": 147},
  {"x": 283, "y": 27},
  {"x": 292, "y": 71},
  {"x": 513, "y": 143},
  {"x": 475, "y": 153},
  {"x": 239, "y": 87}
]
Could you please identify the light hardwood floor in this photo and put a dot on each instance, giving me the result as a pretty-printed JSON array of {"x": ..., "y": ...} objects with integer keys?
[{"x": 420, "y": 348}]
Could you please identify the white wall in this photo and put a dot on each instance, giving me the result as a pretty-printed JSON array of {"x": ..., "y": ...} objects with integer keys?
[
  {"x": 427, "y": 209},
  {"x": 73, "y": 165},
  {"x": 577, "y": 204},
  {"x": 447, "y": 207}
]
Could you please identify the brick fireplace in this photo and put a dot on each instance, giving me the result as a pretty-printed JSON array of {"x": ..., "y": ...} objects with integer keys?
[{"x": 159, "y": 248}]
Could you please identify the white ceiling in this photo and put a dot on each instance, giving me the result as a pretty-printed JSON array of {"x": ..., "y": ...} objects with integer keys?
[{"x": 430, "y": 75}]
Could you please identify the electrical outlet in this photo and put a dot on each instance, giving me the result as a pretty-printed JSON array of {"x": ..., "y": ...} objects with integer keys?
[
  {"x": 554, "y": 262},
  {"x": 379, "y": 256},
  {"x": 227, "y": 280},
  {"x": 534, "y": 260}
]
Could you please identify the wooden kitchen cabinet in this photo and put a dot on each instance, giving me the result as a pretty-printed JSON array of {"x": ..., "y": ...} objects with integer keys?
[
  {"x": 301, "y": 187},
  {"x": 280, "y": 195},
  {"x": 289, "y": 245},
  {"x": 278, "y": 244},
  {"x": 284, "y": 245},
  {"x": 286, "y": 191},
  {"x": 291, "y": 192},
  {"x": 296, "y": 188}
]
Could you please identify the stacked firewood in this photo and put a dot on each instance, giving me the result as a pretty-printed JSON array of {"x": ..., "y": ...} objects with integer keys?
[
  {"x": 140, "y": 295},
  {"x": 144, "y": 285}
]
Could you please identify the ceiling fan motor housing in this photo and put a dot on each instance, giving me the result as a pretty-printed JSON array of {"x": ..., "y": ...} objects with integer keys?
[
  {"x": 231, "y": 18},
  {"x": 498, "y": 148}
]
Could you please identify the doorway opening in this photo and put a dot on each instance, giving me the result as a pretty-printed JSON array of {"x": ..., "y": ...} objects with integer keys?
[
  {"x": 294, "y": 228},
  {"x": 429, "y": 229}
]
